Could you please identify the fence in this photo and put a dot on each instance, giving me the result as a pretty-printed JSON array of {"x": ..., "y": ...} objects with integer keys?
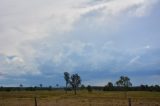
[{"x": 77, "y": 102}]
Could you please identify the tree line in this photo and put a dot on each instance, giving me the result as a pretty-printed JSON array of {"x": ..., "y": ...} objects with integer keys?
[
  {"x": 73, "y": 83},
  {"x": 123, "y": 84}
]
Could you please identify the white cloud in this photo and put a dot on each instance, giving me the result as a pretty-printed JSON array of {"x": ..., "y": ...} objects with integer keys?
[
  {"x": 22, "y": 20},
  {"x": 147, "y": 46},
  {"x": 22, "y": 23},
  {"x": 110, "y": 9},
  {"x": 134, "y": 60},
  {"x": 16, "y": 66}
]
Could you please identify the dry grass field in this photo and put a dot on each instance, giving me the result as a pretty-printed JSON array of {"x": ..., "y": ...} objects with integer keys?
[{"x": 83, "y": 98}]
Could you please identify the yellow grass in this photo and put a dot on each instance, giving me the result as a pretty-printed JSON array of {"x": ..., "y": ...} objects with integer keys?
[{"x": 83, "y": 98}]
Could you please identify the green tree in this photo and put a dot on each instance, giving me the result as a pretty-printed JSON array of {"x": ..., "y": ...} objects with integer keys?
[
  {"x": 89, "y": 88},
  {"x": 67, "y": 79},
  {"x": 75, "y": 82},
  {"x": 40, "y": 85},
  {"x": 57, "y": 85},
  {"x": 82, "y": 87},
  {"x": 110, "y": 86},
  {"x": 50, "y": 88},
  {"x": 21, "y": 87},
  {"x": 124, "y": 81}
]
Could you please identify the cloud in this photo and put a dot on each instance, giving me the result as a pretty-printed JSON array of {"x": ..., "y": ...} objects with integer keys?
[
  {"x": 106, "y": 10},
  {"x": 135, "y": 59},
  {"x": 28, "y": 20},
  {"x": 16, "y": 66},
  {"x": 45, "y": 37},
  {"x": 147, "y": 46}
]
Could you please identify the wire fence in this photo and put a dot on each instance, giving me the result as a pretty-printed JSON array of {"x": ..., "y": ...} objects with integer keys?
[{"x": 77, "y": 102}]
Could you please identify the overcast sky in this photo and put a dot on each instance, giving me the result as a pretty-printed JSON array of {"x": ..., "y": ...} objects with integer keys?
[{"x": 98, "y": 39}]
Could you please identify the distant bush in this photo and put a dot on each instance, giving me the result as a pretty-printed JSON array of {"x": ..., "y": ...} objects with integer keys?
[{"x": 89, "y": 88}]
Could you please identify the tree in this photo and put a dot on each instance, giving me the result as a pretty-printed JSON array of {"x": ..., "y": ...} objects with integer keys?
[
  {"x": 108, "y": 87},
  {"x": 67, "y": 79},
  {"x": 57, "y": 85},
  {"x": 157, "y": 87},
  {"x": 21, "y": 86},
  {"x": 40, "y": 85},
  {"x": 142, "y": 87},
  {"x": 82, "y": 87},
  {"x": 50, "y": 88},
  {"x": 89, "y": 88},
  {"x": 124, "y": 81},
  {"x": 75, "y": 82},
  {"x": 110, "y": 84}
]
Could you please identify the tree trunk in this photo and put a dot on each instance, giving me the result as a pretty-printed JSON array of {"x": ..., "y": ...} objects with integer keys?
[
  {"x": 66, "y": 88},
  {"x": 129, "y": 101},
  {"x": 125, "y": 94},
  {"x": 75, "y": 91}
]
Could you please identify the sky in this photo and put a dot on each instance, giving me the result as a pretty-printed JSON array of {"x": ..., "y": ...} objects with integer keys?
[{"x": 100, "y": 40}]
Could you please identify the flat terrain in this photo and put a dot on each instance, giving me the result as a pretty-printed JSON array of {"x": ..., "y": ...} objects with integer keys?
[{"x": 83, "y": 98}]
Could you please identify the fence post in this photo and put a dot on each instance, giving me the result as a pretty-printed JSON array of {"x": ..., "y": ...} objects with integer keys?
[
  {"x": 90, "y": 102},
  {"x": 129, "y": 101},
  {"x": 35, "y": 101},
  {"x": 56, "y": 102}
]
